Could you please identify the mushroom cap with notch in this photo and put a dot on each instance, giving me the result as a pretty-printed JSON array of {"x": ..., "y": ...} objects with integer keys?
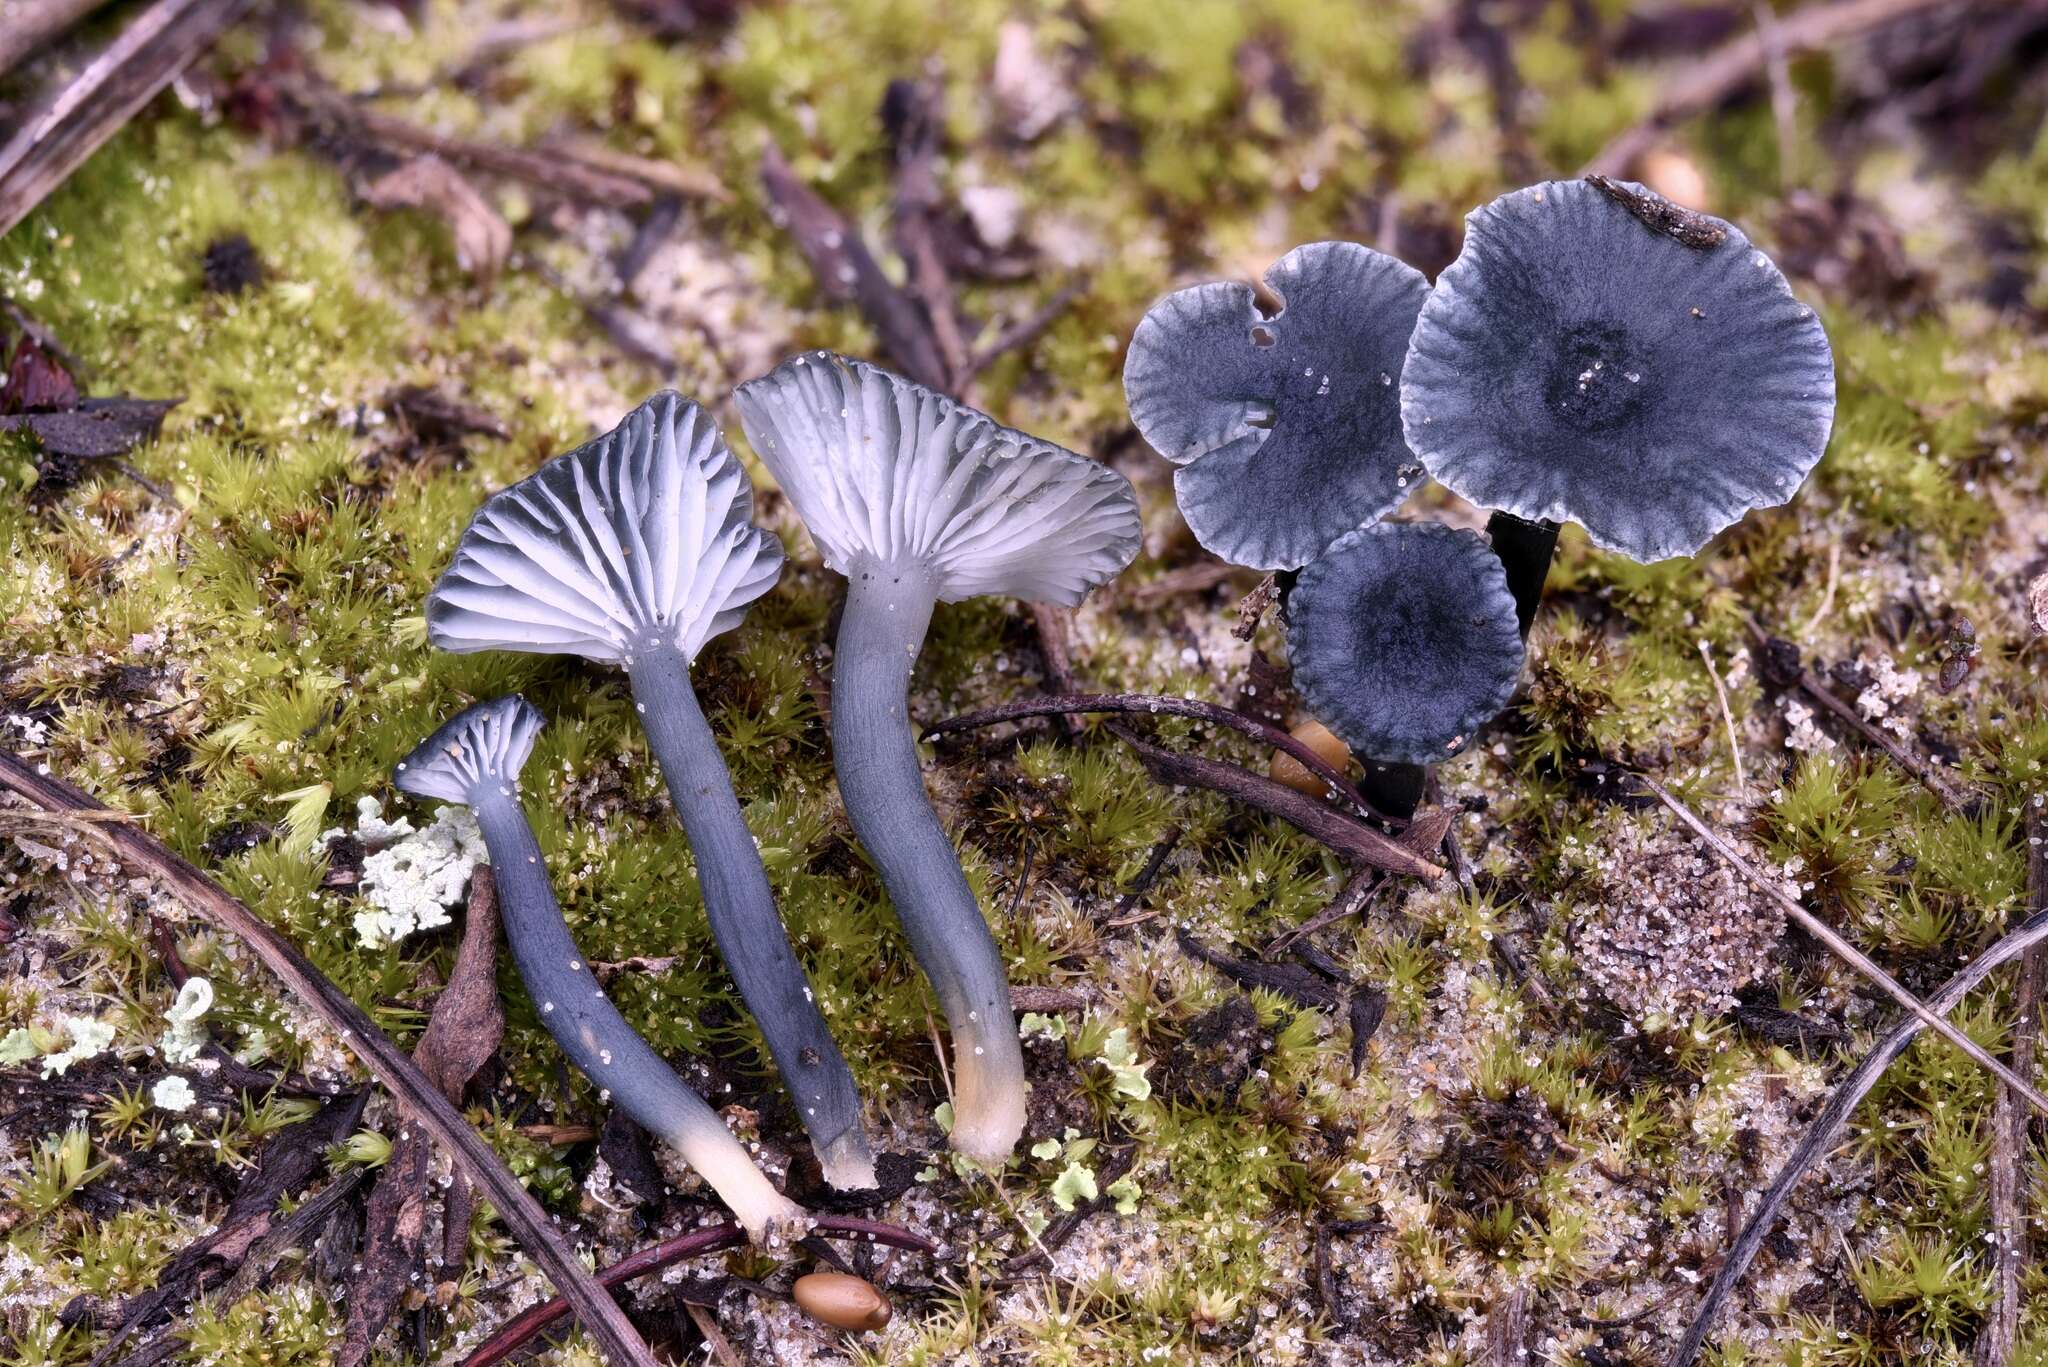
[
  {"x": 638, "y": 539},
  {"x": 482, "y": 748},
  {"x": 1404, "y": 640},
  {"x": 1577, "y": 363},
  {"x": 1287, "y": 428},
  {"x": 884, "y": 470}
]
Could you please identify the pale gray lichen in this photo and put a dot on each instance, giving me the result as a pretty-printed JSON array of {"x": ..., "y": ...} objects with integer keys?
[{"x": 410, "y": 886}]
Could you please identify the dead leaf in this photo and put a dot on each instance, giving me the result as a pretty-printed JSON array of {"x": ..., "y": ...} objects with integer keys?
[
  {"x": 36, "y": 382},
  {"x": 482, "y": 239},
  {"x": 96, "y": 429},
  {"x": 2037, "y": 604}
]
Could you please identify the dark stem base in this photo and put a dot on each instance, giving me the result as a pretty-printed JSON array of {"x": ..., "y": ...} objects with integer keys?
[
  {"x": 1524, "y": 549},
  {"x": 1393, "y": 789}
]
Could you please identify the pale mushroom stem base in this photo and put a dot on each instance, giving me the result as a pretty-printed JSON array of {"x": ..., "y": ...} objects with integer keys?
[
  {"x": 875, "y": 750},
  {"x": 597, "y": 1038},
  {"x": 741, "y": 909},
  {"x": 1525, "y": 549}
]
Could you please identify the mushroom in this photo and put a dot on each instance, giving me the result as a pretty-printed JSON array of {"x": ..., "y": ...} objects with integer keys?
[
  {"x": 919, "y": 500},
  {"x": 841, "y": 1300},
  {"x": 1404, "y": 642},
  {"x": 475, "y": 760},
  {"x": 636, "y": 549},
  {"x": 1287, "y": 428},
  {"x": 1598, "y": 354}
]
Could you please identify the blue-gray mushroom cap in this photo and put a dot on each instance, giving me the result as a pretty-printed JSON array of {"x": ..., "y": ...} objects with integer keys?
[
  {"x": 1579, "y": 362},
  {"x": 1404, "y": 640},
  {"x": 640, "y": 538},
  {"x": 1287, "y": 429},
  {"x": 480, "y": 748}
]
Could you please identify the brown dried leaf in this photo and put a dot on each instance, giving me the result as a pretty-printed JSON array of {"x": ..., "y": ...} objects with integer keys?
[
  {"x": 482, "y": 239},
  {"x": 462, "y": 1033}
]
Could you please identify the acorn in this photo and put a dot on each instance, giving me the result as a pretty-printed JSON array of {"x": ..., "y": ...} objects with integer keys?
[
  {"x": 841, "y": 1301},
  {"x": 1317, "y": 737}
]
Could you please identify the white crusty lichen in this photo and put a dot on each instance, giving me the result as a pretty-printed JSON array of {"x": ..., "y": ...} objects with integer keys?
[
  {"x": 172, "y": 1093},
  {"x": 409, "y": 885},
  {"x": 186, "y": 1036},
  {"x": 89, "y": 1039}
]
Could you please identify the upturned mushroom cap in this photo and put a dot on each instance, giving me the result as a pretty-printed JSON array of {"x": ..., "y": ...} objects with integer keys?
[
  {"x": 639, "y": 538},
  {"x": 1579, "y": 362},
  {"x": 482, "y": 748},
  {"x": 1288, "y": 428},
  {"x": 884, "y": 469},
  {"x": 1404, "y": 640}
]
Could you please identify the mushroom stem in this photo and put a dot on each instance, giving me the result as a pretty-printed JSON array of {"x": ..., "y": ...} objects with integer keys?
[
  {"x": 597, "y": 1038},
  {"x": 1393, "y": 788},
  {"x": 741, "y": 909},
  {"x": 1524, "y": 548},
  {"x": 888, "y": 610}
]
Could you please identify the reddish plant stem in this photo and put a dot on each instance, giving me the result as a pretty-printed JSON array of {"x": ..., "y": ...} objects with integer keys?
[
  {"x": 522, "y": 1328},
  {"x": 1149, "y": 704}
]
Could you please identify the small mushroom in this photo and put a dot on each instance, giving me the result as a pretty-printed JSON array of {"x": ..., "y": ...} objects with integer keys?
[
  {"x": 475, "y": 760},
  {"x": 1286, "y": 769},
  {"x": 1404, "y": 642},
  {"x": 919, "y": 500},
  {"x": 1598, "y": 354},
  {"x": 841, "y": 1300},
  {"x": 1287, "y": 428},
  {"x": 635, "y": 550}
]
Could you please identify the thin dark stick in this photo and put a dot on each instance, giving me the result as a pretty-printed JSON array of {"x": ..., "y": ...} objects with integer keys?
[
  {"x": 1353, "y": 898},
  {"x": 521, "y": 1329},
  {"x": 848, "y": 272},
  {"x": 1348, "y": 837},
  {"x": 1150, "y": 704},
  {"x": 1841, "y": 948},
  {"x": 1814, "y": 687},
  {"x": 2000, "y": 1334},
  {"x": 390, "y": 1065},
  {"x": 1827, "y": 1128},
  {"x": 1024, "y": 333}
]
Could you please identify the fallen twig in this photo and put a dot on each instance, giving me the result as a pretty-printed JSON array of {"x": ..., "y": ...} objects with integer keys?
[
  {"x": 1024, "y": 332},
  {"x": 520, "y": 1330},
  {"x": 147, "y": 56},
  {"x": 1841, "y": 948},
  {"x": 1153, "y": 704},
  {"x": 1813, "y": 686},
  {"x": 389, "y": 1064},
  {"x": 1727, "y": 69},
  {"x": 1353, "y": 899},
  {"x": 2000, "y": 1334},
  {"x": 1827, "y": 1128},
  {"x": 32, "y": 23},
  {"x": 616, "y": 179},
  {"x": 847, "y": 271}
]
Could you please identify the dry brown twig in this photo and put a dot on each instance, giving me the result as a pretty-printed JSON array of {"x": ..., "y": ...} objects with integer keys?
[
  {"x": 390, "y": 1065},
  {"x": 1815, "y": 688},
  {"x": 94, "y": 105},
  {"x": 1841, "y": 948},
  {"x": 1826, "y": 1130},
  {"x": 2000, "y": 1334},
  {"x": 1733, "y": 65}
]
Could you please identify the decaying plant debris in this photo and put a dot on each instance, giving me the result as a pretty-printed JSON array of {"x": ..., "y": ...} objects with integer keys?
[{"x": 1305, "y": 1087}]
